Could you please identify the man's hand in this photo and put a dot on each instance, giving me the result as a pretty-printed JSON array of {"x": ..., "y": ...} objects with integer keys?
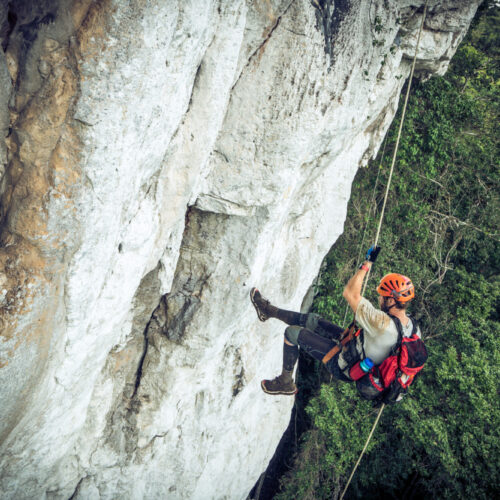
[
  {"x": 352, "y": 291},
  {"x": 372, "y": 253}
]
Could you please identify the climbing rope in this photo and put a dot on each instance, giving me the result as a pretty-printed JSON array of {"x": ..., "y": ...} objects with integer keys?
[
  {"x": 380, "y": 226},
  {"x": 371, "y": 206},
  {"x": 399, "y": 136}
]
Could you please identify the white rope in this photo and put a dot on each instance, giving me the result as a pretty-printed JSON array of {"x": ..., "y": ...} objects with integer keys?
[
  {"x": 371, "y": 206},
  {"x": 398, "y": 139},
  {"x": 364, "y": 449},
  {"x": 380, "y": 226}
]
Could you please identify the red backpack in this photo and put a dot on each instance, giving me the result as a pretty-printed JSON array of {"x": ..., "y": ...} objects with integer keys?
[{"x": 389, "y": 381}]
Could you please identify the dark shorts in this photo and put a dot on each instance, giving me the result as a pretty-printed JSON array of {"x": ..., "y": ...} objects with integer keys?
[{"x": 317, "y": 337}]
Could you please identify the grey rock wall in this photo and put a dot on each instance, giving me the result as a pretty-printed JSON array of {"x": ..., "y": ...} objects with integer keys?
[{"x": 157, "y": 160}]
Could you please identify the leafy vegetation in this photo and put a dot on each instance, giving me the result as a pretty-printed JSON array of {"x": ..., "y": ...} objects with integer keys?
[{"x": 441, "y": 229}]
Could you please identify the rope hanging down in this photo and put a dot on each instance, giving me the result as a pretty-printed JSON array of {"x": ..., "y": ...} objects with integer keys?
[{"x": 380, "y": 224}]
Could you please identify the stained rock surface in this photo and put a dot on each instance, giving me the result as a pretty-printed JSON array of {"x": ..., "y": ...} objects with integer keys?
[{"x": 157, "y": 159}]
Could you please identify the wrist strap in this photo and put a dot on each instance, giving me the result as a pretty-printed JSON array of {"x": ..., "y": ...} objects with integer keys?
[{"x": 364, "y": 267}]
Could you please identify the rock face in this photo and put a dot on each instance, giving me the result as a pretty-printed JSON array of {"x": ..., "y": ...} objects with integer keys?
[{"x": 157, "y": 160}]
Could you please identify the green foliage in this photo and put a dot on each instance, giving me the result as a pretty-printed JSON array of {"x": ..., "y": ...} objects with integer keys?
[{"x": 441, "y": 229}]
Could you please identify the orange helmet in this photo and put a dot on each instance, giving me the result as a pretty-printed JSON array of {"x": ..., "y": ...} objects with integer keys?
[{"x": 397, "y": 286}]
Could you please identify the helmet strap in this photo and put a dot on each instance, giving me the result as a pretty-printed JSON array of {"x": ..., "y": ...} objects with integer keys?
[{"x": 385, "y": 307}]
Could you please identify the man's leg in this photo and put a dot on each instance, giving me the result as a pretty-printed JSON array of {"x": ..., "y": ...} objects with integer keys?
[
  {"x": 283, "y": 383},
  {"x": 311, "y": 321},
  {"x": 266, "y": 310},
  {"x": 312, "y": 343},
  {"x": 317, "y": 324}
]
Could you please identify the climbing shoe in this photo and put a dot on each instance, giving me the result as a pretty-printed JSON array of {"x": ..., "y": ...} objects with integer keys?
[
  {"x": 260, "y": 303},
  {"x": 279, "y": 385}
]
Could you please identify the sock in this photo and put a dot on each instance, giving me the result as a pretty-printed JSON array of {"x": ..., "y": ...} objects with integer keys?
[
  {"x": 290, "y": 356},
  {"x": 289, "y": 317}
]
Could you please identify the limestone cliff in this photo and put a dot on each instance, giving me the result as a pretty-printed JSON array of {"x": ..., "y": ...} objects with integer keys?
[{"x": 157, "y": 159}]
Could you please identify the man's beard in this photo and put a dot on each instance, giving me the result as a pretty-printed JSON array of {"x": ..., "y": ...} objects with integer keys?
[{"x": 384, "y": 307}]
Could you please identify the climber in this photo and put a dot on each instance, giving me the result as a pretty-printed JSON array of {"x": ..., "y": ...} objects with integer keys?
[{"x": 322, "y": 339}]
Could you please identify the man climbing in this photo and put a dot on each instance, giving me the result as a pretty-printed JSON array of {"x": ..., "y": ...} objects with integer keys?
[{"x": 322, "y": 339}]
